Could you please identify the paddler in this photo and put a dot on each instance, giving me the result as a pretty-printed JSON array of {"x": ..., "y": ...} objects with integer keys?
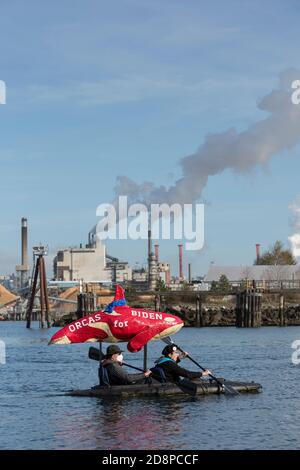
[
  {"x": 171, "y": 356},
  {"x": 112, "y": 363}
]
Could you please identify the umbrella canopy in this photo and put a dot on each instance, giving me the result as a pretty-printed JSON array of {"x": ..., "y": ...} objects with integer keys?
[{"x": 120, "y": 323}]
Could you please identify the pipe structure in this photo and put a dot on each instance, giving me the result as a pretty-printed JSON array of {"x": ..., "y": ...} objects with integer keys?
[
  {"x": 24, "y": 242},
  {"x": 156, "y": 251},
  {"x": 149, "y": 243},
  {"x": 180, "y": 262},
  {"x": 257, "y": 252},
  {"x": 190, "y": 273},
  {"x": 23, "y": 268}
]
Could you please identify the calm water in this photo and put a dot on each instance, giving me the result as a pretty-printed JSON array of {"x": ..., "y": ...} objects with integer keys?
[{"x": 34, "y": 413}]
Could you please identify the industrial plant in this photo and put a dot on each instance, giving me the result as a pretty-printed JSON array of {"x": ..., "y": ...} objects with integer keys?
[{"x": 83, "y": 278}]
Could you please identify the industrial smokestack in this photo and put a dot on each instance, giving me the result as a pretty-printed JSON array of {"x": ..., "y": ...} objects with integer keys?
[
  {"x": 152, "y": 265},
  {"x": 180, "y": 262},
  {"x": 156, "y": 251},
  {"x": 149, "y": 243},
  {"x": 24, "y": 242},
  {"x": 23, "y": 268},
  {"x": 190, "y": 273},
  {"x": 257, "y": 252}
]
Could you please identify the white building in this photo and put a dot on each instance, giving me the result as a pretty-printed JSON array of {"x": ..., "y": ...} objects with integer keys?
[
  {"x": 89, "y": 264},
  {"x": 163, "y": 270},
  {"x": 258, "y": 273},
  {"x": 120, "y": 271}
]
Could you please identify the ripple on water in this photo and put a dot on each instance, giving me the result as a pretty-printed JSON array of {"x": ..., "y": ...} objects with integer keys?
[{"x": 36, "y": 415}]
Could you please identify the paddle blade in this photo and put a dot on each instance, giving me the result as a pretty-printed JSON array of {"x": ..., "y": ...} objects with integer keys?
[{"x": 94, "y": 354}]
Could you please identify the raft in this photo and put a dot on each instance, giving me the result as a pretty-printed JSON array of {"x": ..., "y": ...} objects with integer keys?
[{"x": 155, "y": 389}]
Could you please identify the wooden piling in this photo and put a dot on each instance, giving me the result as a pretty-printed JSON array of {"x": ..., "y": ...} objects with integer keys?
[
  {"x": 86, "y": 304},
  {"x": 281, "y": 310},
  {"x": 157, "y": 302},
  {"x": 199, "y": 316},
  {"x": 39, "y": 272},
  {"x": 32, "y": 294},
  {"x": 248, "y": 309}
]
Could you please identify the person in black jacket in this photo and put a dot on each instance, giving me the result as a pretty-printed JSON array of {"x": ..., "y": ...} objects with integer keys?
[
  {"x": 169, "y": 363},
  {"x": 113, "y": 365}
]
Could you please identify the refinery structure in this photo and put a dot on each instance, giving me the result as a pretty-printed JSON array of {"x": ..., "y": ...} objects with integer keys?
[
  {"x": 82, "y": 280},
  {"x": 90, "y": 263}
]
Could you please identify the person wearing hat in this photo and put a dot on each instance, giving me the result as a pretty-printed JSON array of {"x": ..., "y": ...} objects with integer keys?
[
  {"x": 171, "y": 356},
  {"x": 113, "y": 364}
]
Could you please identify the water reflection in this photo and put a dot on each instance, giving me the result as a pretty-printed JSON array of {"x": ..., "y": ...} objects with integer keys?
[
  {"x": 124, "y": 424},
  {"x": 35, "y": 415}
]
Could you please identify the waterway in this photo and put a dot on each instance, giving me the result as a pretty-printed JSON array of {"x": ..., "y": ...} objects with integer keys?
[{"x": 35, "y": 413}]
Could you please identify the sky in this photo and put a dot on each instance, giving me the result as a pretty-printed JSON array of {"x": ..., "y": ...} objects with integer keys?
[{"x": 97, "y": 90}]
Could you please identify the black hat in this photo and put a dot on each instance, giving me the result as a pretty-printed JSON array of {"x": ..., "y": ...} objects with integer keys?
[
  {"x": 113, "y": 349},
  {"x": 169, "y": 349}
]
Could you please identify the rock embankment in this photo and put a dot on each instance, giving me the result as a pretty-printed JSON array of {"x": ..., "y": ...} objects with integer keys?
[{"x": 225, "y": 316}]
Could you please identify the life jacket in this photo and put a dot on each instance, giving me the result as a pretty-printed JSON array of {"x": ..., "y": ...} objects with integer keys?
[
  {"x": 164, "y": 359},
  {"x": 103, "y": 376},
  {"x": 159, "y": 371}
]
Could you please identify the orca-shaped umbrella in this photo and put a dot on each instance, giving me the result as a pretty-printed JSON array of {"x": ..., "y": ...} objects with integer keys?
[{"x": 120, "y": 323}]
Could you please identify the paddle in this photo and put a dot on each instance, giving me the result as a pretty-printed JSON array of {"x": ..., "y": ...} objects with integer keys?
[
  {"x": 185, "y": 385},
  {"x": 226, "y": 388}
]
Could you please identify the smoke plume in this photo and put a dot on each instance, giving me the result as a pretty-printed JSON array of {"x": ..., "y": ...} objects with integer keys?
[
  {"x": 239, "y": 151},
  {"x": 295, "y": 238}
]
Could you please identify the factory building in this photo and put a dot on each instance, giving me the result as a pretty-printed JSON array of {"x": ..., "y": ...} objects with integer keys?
[
  {"x": 163, "y": 270},
  {"x": 140, "y": 275},
  {"x": 89, "y": 264},
  {"x": 120, "y": 271},
  {"x": 260, "y": 274},
  {"x": 157, "y": 269}
]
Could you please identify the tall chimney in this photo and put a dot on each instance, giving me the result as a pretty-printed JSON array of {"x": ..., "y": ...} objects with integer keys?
[
  {"x": 190, "y": 273},
  {"x": 149, "y": 243},
  {"x": 257, "y": 252},
  {"x": 180, "y": 262},
  {"x": 156, "y": 251},
  {"x": 24, "y": 251},
  {"x": 24, "y": 248}
]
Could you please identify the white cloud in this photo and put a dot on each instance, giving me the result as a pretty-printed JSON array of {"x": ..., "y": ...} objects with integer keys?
[{"x": 295, "y": 222}]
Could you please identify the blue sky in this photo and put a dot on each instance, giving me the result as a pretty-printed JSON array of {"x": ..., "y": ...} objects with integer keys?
[{"x": 99, "y": 89}]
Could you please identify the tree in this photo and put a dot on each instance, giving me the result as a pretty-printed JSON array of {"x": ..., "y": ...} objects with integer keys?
[
  {"x": 276, "y": 255},
  {"x": 222, "y": 285},
  {"x": 161, "y": 286},
  {"x": 214, "y": 286}
]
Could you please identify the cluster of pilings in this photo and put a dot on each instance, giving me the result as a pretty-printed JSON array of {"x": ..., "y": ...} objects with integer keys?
[
  {"x": 86, "y": 304},
  {"x": 39, "y": 272},
  {"x": 248, "y": 309},
  {"x": 159, "y": 305}
]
